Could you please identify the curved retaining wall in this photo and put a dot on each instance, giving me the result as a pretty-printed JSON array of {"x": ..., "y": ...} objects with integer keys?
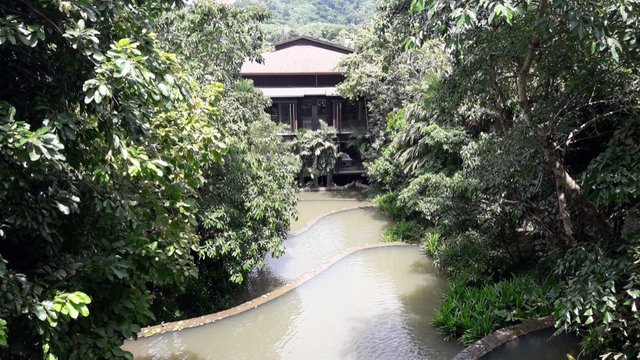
[
  {"x": 490, "y": 342},
  {"x": 312, "y": 222},
  {"x": 249, "y": 305},
  {"x": 354, "y": 185}
]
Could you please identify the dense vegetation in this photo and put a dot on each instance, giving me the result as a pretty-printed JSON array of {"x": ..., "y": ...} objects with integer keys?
[
  {"x": 126, "y": 170},
  {"x": 141, "y": 180},
  {"x": 245, "y": 206},
  {"x": 318, "y": 153},
  {"x": 506, "y": 139},
  {"x": 332, "y": 20}
]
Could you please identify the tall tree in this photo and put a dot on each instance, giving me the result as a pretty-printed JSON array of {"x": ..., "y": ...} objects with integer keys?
[
  {"x": 102, "y": 147},
  {"x": 245, "y": 208},
  {"x": 539, "y": 53},
  {"x": 517, "y": 151}
]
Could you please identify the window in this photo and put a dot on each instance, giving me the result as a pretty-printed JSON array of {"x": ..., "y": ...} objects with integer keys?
[
  {"x": 306, "y": 114},
  {"x": 353, "y": 116},
  {"x": 322, "y": 111},
  {"x": 284, "y": 113}
]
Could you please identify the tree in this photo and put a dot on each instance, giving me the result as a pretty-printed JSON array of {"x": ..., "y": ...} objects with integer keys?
[
  {"x": 244, "y": 209},
  {"x": 104, "y": 141},
  {"x": 524, "y": 52},
  {"x": 213, "y": 40},
  {"x": 318, "y": 151},
  {"x": 507, "y": 150}
]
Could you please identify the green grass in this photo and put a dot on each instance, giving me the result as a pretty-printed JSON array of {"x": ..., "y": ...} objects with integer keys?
[
  {"x": 387, "y": 204},
  {"x": 431, "y": 242},
  {"x": 402, "y": 231}
]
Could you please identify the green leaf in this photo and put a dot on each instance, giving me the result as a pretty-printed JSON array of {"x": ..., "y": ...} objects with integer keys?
[
  {"x": 608, "y": 317},
  {"x": 33, "y": 154},
  {"x": 84, "y": 298},
  {"x": 40, "y": 312},
  {"x": 103, "y": 90},
  {"x": 71, "y": 310},
  {"x": 63, "y": 208},
  {"x": 3, "y": 332}
]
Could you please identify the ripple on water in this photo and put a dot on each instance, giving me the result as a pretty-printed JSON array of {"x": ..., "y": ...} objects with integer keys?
[
  {"x": 312, "y": 205},
  {"x": 327, "y": 238},
  {"x": 376, "y": 303}
]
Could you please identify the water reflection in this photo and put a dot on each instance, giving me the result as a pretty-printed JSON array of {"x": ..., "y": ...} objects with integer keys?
[
  {"x": 312, "y": 205},
  {"x": 540, "y": 344},
  {"x": 376, "y": 303},
  {"x": 329, "y": 237}
]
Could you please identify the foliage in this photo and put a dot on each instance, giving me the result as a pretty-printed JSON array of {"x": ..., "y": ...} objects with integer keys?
[
  {"x": 473, "y": 257},
  {"x": 549, "y": 122},
  {"x": 387, "y": 203},
  {"x": 318, "y": 152},
  {"x": 599, "y": 299},
  {"x": 330, "y": 20},
  {"x": 514, "y": 128},
  {"x": 431, "y": 242},
  {"x": 402, "y": 231},
  {"x": 244, "y": 213},
  {"x": 384, "y": 173},
  {"x": 245, "y": 207},
  {"x": 104, "y": 141},
  {"x": 213, "y": 39},
  {"x": 613, "y": 177},
  {"x": 470, "y": 313},
  {"x": 3, "y": 333}
]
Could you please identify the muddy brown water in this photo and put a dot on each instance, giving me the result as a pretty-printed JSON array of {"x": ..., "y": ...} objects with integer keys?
[
  {"x": 373, "y": 304},
  {"x": 312, "y": 205},
  {"x": 538, "y": 345}
]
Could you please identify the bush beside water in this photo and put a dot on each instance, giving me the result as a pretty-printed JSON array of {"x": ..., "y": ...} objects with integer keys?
[{"x": 469, "y": 313}]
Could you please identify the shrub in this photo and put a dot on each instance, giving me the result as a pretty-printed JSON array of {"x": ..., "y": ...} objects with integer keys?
[
  {"x": 318, "y": 151},
  {"x": 383, "y": 172},
  {"x": 473, "y": 257},
  {"x": 431, "y": 242},
  {"x": 406, "y": 231},
  {"x": 599, "y": 297},
  {"x": 470, "y": 313},
  {"x": 388, "y": 204}
]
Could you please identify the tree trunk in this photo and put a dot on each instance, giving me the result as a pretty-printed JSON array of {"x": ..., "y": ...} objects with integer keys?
[
  {"x": 563, "y": 207},
  {"x": 315, "y": 172},
  {"x": 569, "y": 185},
  {"x": 564, "y": 182}
]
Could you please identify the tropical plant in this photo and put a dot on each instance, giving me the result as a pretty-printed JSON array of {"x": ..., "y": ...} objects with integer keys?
[
  {"x": 599, "y": 299},
  {"x": 518, "y": 146},
  {"x": 470, "y": 313},
  {"x": 244, "y": 209},
  {"x": 103, "y": 144},
  {"x": 405, "y": 231},
  {"x": 318, "y": 151}
]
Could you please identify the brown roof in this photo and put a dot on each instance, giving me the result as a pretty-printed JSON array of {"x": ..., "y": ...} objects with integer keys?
[{"x": 301, "y": 55}]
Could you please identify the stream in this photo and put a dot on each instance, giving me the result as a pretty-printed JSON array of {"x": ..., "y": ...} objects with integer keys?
[{"x": 375, "y": 303}]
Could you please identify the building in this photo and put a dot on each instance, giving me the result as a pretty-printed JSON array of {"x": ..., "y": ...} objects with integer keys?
[{"x": 301, "y": 76}]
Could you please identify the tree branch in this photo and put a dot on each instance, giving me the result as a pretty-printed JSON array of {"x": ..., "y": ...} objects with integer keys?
[{"x": 589, "y": 123}]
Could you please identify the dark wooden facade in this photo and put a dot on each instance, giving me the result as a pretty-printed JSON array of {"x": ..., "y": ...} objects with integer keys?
[{"x": 300, "y": 78}]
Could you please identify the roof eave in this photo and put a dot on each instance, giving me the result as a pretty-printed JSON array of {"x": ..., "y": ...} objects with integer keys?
[{"x": 323, "y": 42}]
